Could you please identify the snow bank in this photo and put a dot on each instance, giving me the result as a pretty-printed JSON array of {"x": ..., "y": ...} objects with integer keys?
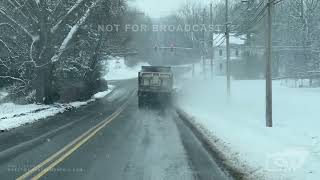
[
  {"x": 13, "y": 115},
  {"x": 116, "y": 69},
  {"x": 101, "y": 95},
  {"x": 289, "y": 150}
]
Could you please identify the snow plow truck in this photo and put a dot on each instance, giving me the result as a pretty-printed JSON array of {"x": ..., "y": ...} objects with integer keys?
[{"x": 155, "y": 85}]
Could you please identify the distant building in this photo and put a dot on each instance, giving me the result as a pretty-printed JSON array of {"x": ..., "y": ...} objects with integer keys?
[
  {"x": 219, "y": 51},
  {"x": 246, "y": 62}
]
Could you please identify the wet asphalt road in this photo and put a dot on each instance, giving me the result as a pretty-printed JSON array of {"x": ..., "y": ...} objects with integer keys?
[{"x": 136, "y": 145}]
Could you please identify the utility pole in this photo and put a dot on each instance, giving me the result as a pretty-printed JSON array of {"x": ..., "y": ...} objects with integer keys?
[
  {"x": 302, "y": 9},
  {"x": 193, "y": 70},
  {"x": 228, "y": 48},
  {"x": 211, "y": 42},
  {"x": 269, "y": 67},
  {"x": 204, "y": 45}
]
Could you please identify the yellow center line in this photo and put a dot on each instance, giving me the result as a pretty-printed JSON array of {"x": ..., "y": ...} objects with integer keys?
[
  {"x": 68, "y": 153},
  {"x": 36, "y": 168},
  {"x": 75, "y": 144}
]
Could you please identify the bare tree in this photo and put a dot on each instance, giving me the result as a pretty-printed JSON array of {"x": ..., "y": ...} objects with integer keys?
[{"x": 39, "y": 34}]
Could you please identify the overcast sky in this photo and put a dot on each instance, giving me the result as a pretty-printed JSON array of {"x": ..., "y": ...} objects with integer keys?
[{"x": 160, "y": 8}]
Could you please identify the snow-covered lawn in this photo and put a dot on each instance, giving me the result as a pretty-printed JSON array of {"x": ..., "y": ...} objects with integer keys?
[
  {"x": 289, "y": 150},
  {"x": 14, "y": 115},
  {"x": 118, "y": 70}
]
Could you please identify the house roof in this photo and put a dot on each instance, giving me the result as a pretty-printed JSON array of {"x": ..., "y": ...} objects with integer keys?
[{"x": 220, "y": 40}]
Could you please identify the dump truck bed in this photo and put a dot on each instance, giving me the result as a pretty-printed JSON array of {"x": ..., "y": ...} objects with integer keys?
[
  {"x": 164, "y": 69},
  {"x": 155, "y": 84}
]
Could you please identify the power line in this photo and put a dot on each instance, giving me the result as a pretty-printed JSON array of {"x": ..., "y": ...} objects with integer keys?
[
  {"x": 221, "y": 42},
  {"x": 279, "y": 1},
  {"x": 258, "y": 17},
  {"x": 252, "y": 6},
  {"x": 257, "y": 20},
  {"x": 220, "y": 38}
]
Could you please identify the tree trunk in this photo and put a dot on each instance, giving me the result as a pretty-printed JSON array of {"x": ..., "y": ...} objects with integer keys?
[{"x": 45, "y": 72}]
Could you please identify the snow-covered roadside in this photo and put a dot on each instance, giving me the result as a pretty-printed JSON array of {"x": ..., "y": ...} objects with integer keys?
[
  {"x": 13, "y": 115},
  {"x": 118, "y": 70},
  {"x": 289, "y": 150}
]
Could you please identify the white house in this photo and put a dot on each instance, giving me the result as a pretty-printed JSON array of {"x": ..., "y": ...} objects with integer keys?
[{"x": 219, "y": 51}]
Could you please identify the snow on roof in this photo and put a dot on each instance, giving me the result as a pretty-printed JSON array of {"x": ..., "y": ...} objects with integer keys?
[{"x": 219, "y": 39}]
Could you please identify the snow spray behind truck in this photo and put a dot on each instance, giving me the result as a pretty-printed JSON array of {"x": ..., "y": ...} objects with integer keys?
[{"x": 155, "y": 85}]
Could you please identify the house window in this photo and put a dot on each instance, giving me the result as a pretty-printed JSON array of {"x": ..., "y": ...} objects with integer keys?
[
  {"x": 220, "y": 52},
  {"x": 237, "y": 52},
  {"x": 220, "y": 67}
]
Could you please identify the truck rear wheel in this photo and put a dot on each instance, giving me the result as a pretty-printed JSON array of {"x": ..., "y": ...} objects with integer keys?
[{"x": 141, "y": 102}]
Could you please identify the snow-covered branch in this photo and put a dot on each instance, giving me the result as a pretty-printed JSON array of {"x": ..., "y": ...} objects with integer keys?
[
  {"x": 15, "y": 3},
  {"x": 2, "y": 63},
  {"x": 2, "y": 11},
  {"x": 12, "y": 78},
  {"x": 18, "y": 6},
  {"x": 72, "y": 32},
  {"x": 56, "y": 6},
  {"x": 31, "y": 50},
  {"x": 9, "y": 25},
  {"x": 6, "y": 46},
  {"x": 78, "y": 4}
]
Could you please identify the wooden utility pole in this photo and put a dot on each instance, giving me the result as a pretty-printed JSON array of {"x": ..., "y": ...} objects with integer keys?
[
  {"x": 211, "y": 42},
  {"x": 269, "y": 67},
  {"x": 228, "y": 48},
  {"x": 204, "y": 44},
  {"x": 193, "y": 70}
]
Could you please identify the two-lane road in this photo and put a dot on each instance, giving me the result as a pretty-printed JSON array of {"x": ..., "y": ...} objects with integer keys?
[{"x": 118, "y": 141}]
